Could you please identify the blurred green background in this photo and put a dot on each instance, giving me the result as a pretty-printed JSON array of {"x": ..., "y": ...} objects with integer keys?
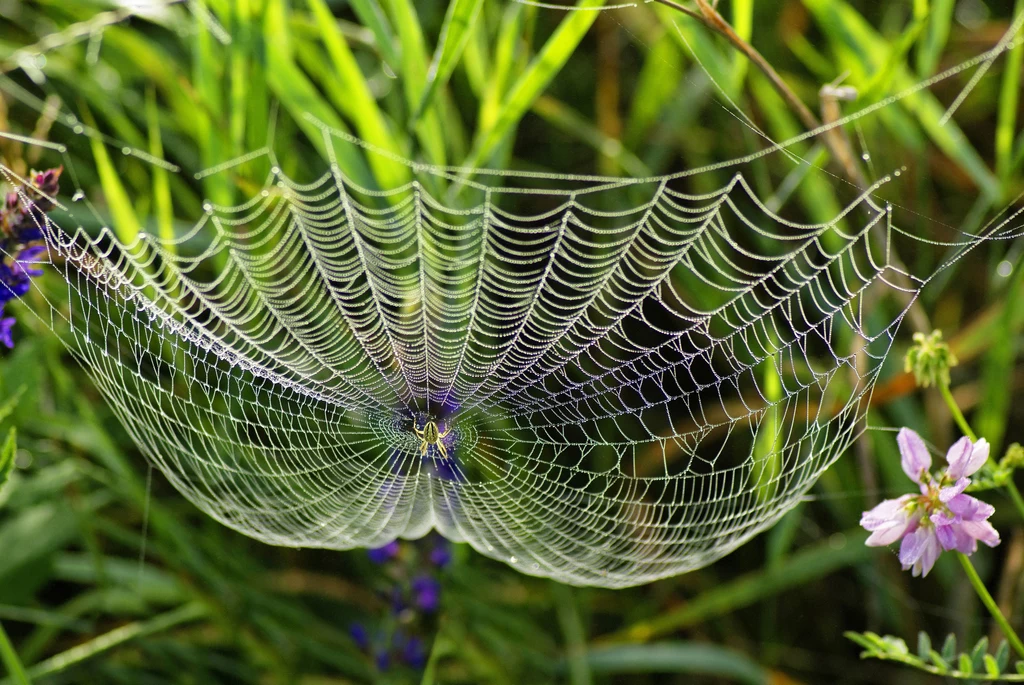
[{"x": 634, "y": 91}]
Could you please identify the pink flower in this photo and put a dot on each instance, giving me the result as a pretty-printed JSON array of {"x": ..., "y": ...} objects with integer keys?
[{"x": 942, "y": 517}]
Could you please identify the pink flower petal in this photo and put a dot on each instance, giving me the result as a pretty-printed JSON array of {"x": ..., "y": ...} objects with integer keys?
[
  {"x": 961, "y": 458},
  {"x": 919, "y": 551},
  {"x": 889, "y": 521},
  {"x": 970, "y": 508},
  {"x": 981, "y": 530},
  {"x": 915, "y": 459},
  {"x": 948, "y": 493}
]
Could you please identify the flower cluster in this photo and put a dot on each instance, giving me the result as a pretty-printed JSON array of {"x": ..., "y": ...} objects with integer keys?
[
  {"x": 413, "y": 596},
  {"x": 22, "y": 218},
  {"x": 929, "y": 359},
  {"x": 942, "y": 517}
]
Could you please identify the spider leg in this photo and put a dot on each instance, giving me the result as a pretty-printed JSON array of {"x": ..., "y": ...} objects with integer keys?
[{"x": 442, "y": 449}]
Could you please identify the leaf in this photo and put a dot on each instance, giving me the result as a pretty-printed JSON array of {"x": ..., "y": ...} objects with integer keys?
[
  {"x": 358, "y": 102},
  {"x": 978, "y": 655},
  {"x": 7, "y": 453},
  {"x": 372, "y": 17},
  {"x": 301, "y": 98},
  {"x": 800, "y": 568},
  {"x": 991, "y": 667},
  {"x": 861, "y": 640},
  {"x": 949, "y": 648},
  {"x": 455, "y": 33},
  {"x": 864, "y": 50},
  {"x": 677, "y": 657},
  {"x": 414, "y": 77},
  {"x": 161, "y": 183},
  {"x": 1003, "y": 655},
  {"x": 126, "y": 223},
  {"x": 965, "y": 664},
  {"x": 116, "y": 637},
  {"x": 8, "y": 407},
  {"x": 939, "y": 662},
  {"x": 924, "y": 645},
  {"x": 538, "y": 74}
]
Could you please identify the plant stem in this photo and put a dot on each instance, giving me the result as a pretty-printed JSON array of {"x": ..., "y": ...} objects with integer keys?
[
  {"x": 990, "y": 604},
  {"x": 958, "y": 415},
  {"x": 11, "y": 661}
]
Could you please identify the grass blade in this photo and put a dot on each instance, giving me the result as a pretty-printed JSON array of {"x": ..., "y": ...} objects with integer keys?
[
  {"x": 15, "y": 670},
  {"x": 359, "y": 103},
  {"x": 864, "y": 50},
  {"x": 126, "y": 223},
  {"x": 372, "y": 17},
  {"x": 117, "y": 637},
  {"x": 678, "y": 657},
  {"x": 1009, "y": 96},
  {"x": 429, "y": 132},
  {"x": 798, "y": 569},
  {"x": 161, "y": 183},
  {"x": 455, "y": 33},
  {"x": 551, "y": 58},
  {"x": 7, "y": 453},
  {"x": 301, "y": 98}
]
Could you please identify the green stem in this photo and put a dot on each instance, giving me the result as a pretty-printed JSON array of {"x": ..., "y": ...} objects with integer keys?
[
  {"x": 990, "y": 604},
  {"x": 965, "y": 427},
  {"x": 11, "y": 661},
  {"x": 958, "y": 415}
]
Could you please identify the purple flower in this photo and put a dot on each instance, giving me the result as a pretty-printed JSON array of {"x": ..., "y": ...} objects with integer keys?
[
  {"x": 357, "y": 631},
  {"x": 942, "y": 517},
  {"x": 426, "y": 593},
  {"x": 6, "y": 329},
  {"x": 384, "y": 554},
  {"x": 441, "y": 554},
  {"x": 413, "y": 652},
  {"x": 27, "y": 257}
]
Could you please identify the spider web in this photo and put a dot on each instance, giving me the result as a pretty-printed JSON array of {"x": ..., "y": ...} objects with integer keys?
[
  {"x": 628, "y": 394},
  {"x": 633, "y": 379}
]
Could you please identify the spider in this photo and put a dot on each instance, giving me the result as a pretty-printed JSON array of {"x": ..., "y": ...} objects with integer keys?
[{"x": 430, "y": 435}]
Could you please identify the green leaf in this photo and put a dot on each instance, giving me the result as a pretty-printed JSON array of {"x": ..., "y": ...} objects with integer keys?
[
  {"x": 7, "y": 453},
  {"x": 939, "y": 662},
  {"x": 949, "y": 648},
  {"x": 414, "y": 77},
  {"x": 797, "y": 570},
  {"x": 862, "y": 640},
  {"x": 1003, "y": 655},
  {"x": 11, "y": 403},
  {"x": 116, "y": 637},
  {"x": 924, "y": 645},
  {"x": 1020, "y": 667},
  {"x": 1009, "y": 97},
  {"x": 978, "y": 654},
  {"x": 161, "y": 183},
  {"x": 991, "y": 667},
  {"x": 538, "y": 74},
  {"x": 965, "y": 665},
  {"x": 455, "y": 33},
  {"x": 301, "y": 98},
  {"x": 676, "y": 657},
  {"x": 126, "y": 223},
  {"x": 358, "y": 102},
  {"x": 863, "y": 50},
  {"x": 372, "y": 17}
]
